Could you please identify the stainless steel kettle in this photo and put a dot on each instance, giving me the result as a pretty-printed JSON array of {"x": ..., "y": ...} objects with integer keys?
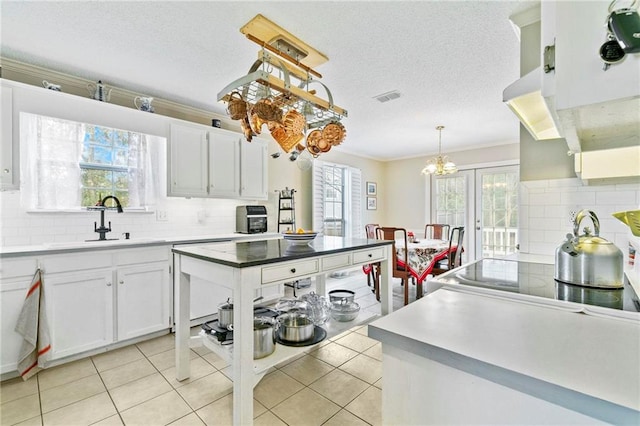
[{"x": 589, "y": 260}]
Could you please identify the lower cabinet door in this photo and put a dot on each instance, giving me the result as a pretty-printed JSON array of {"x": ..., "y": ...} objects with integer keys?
[
  {"x": 12, "y": 296},
  {"x": 143, "y": 300},
  {"x": 79, "y": 310}
]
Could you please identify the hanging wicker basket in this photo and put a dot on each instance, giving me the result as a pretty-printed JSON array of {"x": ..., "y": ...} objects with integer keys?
[{"x": 237, "y": 106}]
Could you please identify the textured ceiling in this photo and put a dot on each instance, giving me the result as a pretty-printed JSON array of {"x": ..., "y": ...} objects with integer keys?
[{"x": 450, "y": 60}]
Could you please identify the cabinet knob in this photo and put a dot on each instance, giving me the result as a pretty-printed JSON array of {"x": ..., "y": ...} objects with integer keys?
[
  {"x": 293, "y": 270},
  {"x": 121, "y": 281},
  {"x": 370, "y": 255},
  {"x": 109, "y": 284},
  {"x": 6, "y": 170}
]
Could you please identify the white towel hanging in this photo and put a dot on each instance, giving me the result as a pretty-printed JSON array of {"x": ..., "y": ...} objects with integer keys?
[{"x": 32, "y": 325}]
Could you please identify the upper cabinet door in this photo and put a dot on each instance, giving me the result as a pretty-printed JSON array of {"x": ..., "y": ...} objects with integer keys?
[
  {"x": 188, "y": 174},
  {"x": 253, "y": 169},
  {"x": 224, "y": 159},
  {"x": 7, "y": 172}
]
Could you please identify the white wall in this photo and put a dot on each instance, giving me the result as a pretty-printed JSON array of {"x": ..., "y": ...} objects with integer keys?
[{"x": 546, "y": 208}]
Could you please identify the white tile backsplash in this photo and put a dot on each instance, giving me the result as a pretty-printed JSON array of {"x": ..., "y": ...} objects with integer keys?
[
  {"x": 185, "y": 218},
  {"x": 546, "y": 208}
]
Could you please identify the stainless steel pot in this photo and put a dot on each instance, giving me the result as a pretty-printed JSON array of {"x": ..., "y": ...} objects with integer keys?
[
  {"x": 225, "y": 313},
  {"x": 264, "y": 337},
  {"x": 589, "y": 260},
  {"x": 295, "y": 327}
]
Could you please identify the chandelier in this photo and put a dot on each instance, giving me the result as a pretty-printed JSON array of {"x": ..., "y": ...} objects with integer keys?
[
  {"x": 278, "y": 95},
  {"x": 440, "y": 165}
]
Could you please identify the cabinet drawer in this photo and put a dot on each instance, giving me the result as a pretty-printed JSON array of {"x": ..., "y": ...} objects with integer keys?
[
  {"x": 336, "y": 261},
  {"x": 19, "y": 267},
  {"x": 76, "y": 262},
  {"x": 372, "y": 254},
  {"x": 142, "y": 255},
  {"x": 289, "y": 271}
]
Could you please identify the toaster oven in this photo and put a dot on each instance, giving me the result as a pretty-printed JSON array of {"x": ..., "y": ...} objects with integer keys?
[{"x": 251, "y": 219}]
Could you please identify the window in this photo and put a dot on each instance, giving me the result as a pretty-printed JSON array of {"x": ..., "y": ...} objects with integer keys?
[
  {"x": 68, "y": 165},
  {"x": 337, "y": 202}
]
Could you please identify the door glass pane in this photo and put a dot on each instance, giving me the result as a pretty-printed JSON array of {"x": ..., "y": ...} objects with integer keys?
[
  {"x": 451, "y": 200},
  {"x": 499, "y": 213}
]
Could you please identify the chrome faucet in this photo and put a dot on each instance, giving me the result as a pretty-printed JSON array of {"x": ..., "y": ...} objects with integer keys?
[{"x": 102, "y": 230}]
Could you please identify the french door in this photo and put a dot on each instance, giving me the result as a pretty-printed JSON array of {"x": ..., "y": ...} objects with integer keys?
[
  {"x": 485, "y": 202},
  {"x": 496, "y": 215}
]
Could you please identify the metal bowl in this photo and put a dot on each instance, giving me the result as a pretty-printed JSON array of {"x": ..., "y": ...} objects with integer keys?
[
  {"x": 341, "y": 295},
  {"x": 344, "y": 311}
]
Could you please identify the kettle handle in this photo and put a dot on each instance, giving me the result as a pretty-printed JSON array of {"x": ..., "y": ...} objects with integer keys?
[{"x": 581, "y": 215}]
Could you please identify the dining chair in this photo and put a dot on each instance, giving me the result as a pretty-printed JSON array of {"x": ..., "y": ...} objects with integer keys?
[
  {"x": 454, "y": 258},
  {"x": 373, "y": 269},
  {"x": 436, "y": 231},
  {"x": 392, "y": 233}
]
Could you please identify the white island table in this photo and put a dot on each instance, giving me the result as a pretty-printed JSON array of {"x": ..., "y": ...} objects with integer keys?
[{"x": 245, "y": 266}]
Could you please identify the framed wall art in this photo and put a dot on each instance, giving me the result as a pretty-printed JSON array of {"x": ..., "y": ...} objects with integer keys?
[
  {"x": 372, "y": 203},
  {"x": 372, "y": 188}
]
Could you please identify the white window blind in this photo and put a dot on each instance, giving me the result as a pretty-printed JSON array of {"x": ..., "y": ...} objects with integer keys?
[
  {"x": 67, "y": 165},
  {"x": 350, "y": 200}
]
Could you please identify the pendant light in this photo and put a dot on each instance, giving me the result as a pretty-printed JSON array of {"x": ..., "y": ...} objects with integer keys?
[{"x": 440, "y": 165}]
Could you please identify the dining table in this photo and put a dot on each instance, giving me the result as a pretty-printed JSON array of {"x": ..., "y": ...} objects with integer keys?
[{"x": 423, "y": 255}]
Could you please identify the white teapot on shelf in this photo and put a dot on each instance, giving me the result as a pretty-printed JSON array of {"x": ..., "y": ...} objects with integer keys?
[
  {"x": 143, "y": 103},
  {"x": 99, "y": 91}
]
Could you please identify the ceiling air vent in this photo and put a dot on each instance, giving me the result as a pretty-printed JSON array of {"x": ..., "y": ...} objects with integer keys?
[{"x": 389, "y": 96}]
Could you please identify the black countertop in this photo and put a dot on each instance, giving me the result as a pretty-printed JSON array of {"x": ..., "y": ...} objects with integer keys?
[{"x": 242, "y": 254}]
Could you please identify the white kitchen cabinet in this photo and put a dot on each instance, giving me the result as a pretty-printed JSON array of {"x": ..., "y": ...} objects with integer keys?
[
  {"x": 79, "y": 310},
  {"x": 578, "y": 43},
  {"x": 597, "y": 108},
  {"x": 216, "y": 163},
  {"x": 253, "y": 169},
  {"x": 224, "y": 159},
  {"x": 15, "y": 279},
  {"x": 143, "y": 301},
  {"x": 8, "y": 178},
  {"x": 97, "y": 298},
  {"x": 188, "y": 175}
]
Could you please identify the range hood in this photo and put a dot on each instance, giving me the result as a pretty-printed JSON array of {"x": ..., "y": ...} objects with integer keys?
[{"x": 525, "y": 99}]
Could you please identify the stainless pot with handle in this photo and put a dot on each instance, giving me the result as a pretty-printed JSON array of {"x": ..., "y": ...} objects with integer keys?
[
  {"x": 295, "y": 327},
  {"x": 588, "y": 260},
  {"x": 264, "y": 337},
  {"x": 225, "y": 313}
]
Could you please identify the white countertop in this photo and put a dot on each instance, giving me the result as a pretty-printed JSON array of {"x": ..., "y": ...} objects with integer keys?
[
  {"x": 587, "y": 355},
  {"x": 74, "y": 246}
]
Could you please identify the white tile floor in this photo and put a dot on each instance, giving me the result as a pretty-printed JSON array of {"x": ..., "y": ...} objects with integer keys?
[{"x": 337, "y": 382}]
